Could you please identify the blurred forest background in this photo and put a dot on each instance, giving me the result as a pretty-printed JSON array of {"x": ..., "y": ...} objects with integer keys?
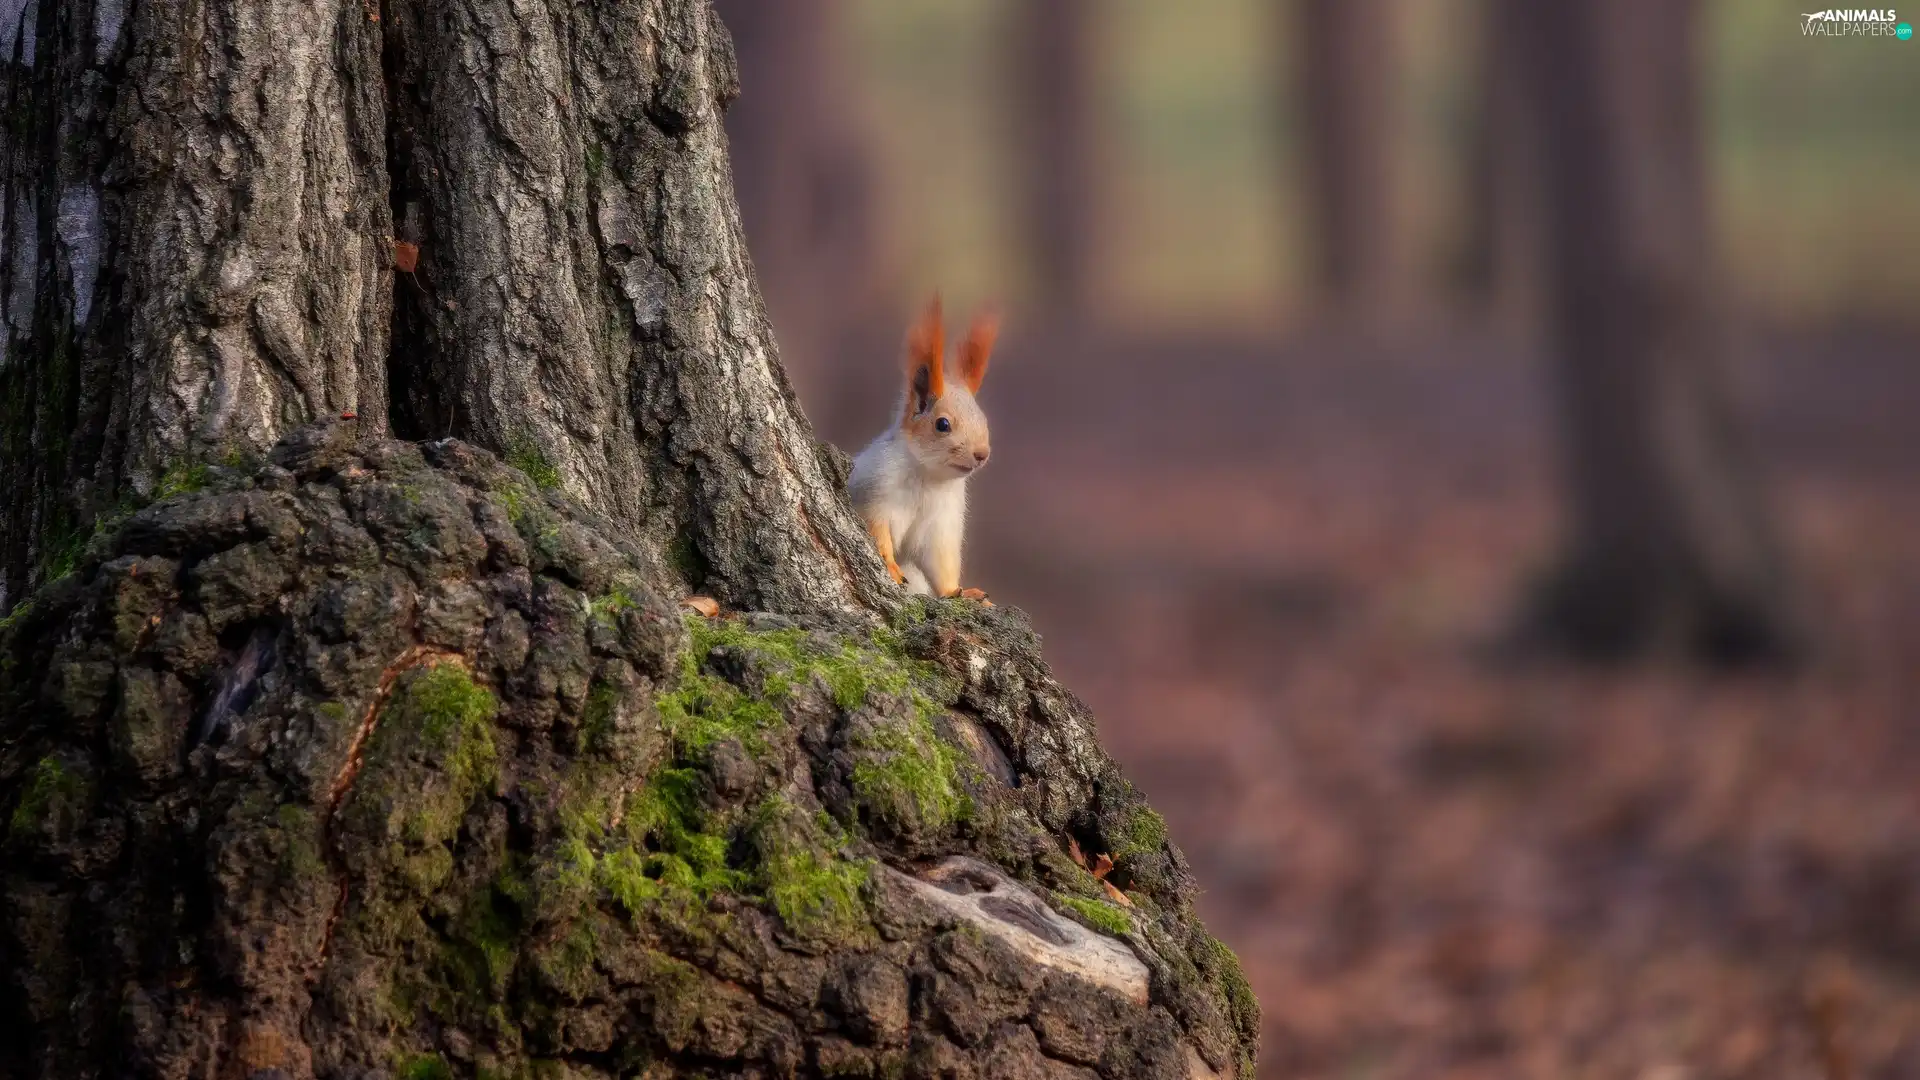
[{"x": 1373, "y": 368}]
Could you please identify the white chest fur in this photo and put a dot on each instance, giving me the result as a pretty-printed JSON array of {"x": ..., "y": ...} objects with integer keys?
[{"x": 926, "y": 516}]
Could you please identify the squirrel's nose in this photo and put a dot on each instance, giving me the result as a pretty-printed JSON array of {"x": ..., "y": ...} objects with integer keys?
[{"x": 981, "y": 456}]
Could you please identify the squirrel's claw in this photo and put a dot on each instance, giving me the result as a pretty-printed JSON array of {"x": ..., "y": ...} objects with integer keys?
[{"x": 893, "y": 571}]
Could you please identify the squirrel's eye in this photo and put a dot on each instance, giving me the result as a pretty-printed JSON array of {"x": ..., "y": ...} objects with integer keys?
[{"x": 943, "y": 425}]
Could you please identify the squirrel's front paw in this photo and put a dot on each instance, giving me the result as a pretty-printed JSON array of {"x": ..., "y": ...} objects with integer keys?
[
  {"x": 975, "y": 594},
  {"x": 893, "y": 571}
]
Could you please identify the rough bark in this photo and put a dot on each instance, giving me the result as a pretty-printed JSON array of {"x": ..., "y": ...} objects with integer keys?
[
  {"x": 1058, "y": 175},
  {"x": 1346, "y": 70},
  {"x": 580, "y": 298},
  {"x": 377, "y": 761},
  {"x": 583, "y": 297},
  {"x": 1669, "y": 542},
  {"x": 805, "y": 177},
  {"x": 196, "y": 242}
]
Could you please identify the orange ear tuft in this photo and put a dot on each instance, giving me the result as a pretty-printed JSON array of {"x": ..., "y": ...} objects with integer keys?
[
  {"x": 926, "y": 350},
  {"x": 978, "y": 348}
]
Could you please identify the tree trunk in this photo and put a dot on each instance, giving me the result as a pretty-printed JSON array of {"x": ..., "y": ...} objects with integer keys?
[
  {"x": 584, "y": 296},
  {"x": 1504, "y": 242},
  {"x": 1669, "y": 542},
  {"x": 328, "y": 756},
  {"x": 1346, "y": 64},
  {"x": 1058, "y": 173},
  {"x": 196, "y": 237},
  {"x": 805, "y": 178},
  {"x": 580, "y": 297}
]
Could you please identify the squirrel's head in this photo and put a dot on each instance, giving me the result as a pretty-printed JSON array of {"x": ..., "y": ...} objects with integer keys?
[{"x": 943, "y": 423}]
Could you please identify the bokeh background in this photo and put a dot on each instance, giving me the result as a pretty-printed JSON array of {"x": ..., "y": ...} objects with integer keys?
[{"x": 1463, "y": 450}]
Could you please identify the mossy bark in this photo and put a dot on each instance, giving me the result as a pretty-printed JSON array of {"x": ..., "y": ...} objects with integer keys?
[{"x": 378, "y": 760}]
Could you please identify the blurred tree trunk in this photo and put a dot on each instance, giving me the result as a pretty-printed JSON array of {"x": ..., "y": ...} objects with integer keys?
[
  {"x": 805, "y": 178},
  {"x": 1058, "y": 172},
  {"x": 1346, "y": 62},
  {"x": 200, "y": 235},
  {"x": 1503, "y": 257},
  {"x": 1669, "y": 542}
]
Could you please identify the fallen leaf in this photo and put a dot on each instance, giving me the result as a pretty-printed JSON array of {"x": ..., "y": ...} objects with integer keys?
[
  {"x": 349, "y": 415},
  {"x": 405, "y": 256},
  {"x": 1118, "y": 897},
  {"x": 705, "y": 605},
  {"x": 1102, "y": 866},
  {"x": 1073, "y": 852}
]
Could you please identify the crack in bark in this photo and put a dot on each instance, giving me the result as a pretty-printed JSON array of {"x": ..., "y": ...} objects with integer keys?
[{"x": 414, "y": 656}]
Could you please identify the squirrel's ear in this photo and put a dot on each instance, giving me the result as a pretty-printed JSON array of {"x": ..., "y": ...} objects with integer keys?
[
  {"x": 926, "y": 346},
  {"x": 978, "y": 348}
]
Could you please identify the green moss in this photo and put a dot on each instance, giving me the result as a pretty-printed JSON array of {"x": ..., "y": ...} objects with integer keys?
[
  {"x": 182, "y": 479},
  {"x": 596, "y": 717},
  {"x": 687, "y": 853},
  {"x": 53, "y": 789},
  {"x": 574, "y": 866},
  {"x": 596, "y": 160},
  {"x": 910, "y": 776},
  {"x": 18, "y": 615},
  {"x": 624, "y": 875},
  {"x": 674, "y": 849},
  {"x": 675, "y": 1001},
  {"x": 1146, "y": 832},
  {"x": 816, "y": 896},
  {"x": 526, "y": 455},
  {"x": 704, "y": 709},
  {"x": 423, "y": 1067},
  {"x": 1098, "y": 914},
  {"x": 567, "y": 965},
  {"x": 300, "y": 858},
  {"x": 70, "y": 543},
  {"x": 430, "y": 756},
  {"x": 805, "y": 874},
  {"x": 482, "y": 946},
  {"x": 65, "y": 547},
  {"x": 517, "y": 500},
  {"x": 454, "y": 713},
  {"x": 67, "y": 538},
  {"x": 606, "y": 608},
  {"x": 1222, "y": 968}
]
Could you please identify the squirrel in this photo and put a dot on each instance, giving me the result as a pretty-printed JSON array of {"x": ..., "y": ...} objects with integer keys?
[{"x": 910, "y": 484}]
